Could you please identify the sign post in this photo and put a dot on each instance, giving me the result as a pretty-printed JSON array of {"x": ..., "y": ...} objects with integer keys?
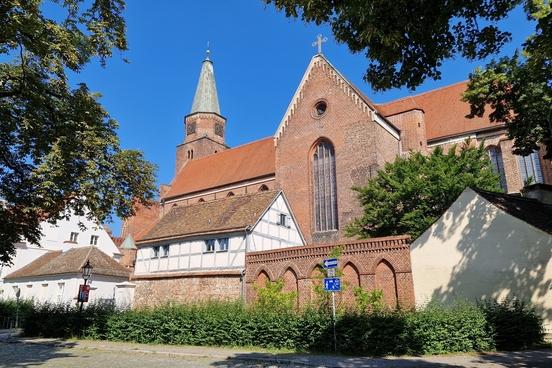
[{"x": 332, "y": 284}]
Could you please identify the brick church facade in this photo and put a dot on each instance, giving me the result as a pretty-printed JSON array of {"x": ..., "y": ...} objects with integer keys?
[{"x": 331, "y": 138}]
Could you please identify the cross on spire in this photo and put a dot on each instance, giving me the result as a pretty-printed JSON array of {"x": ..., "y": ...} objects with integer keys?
[
  {"x": 319, "y": 40},
  {"x": 208, "y": 51}
]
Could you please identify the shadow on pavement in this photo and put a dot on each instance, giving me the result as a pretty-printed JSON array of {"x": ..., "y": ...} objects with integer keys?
[
  {"x": 18, "y": 354},
  {"x": 294, "y": 360},
  {"x": 524, "y": 359},
  {"x": 518, "y": 359}
]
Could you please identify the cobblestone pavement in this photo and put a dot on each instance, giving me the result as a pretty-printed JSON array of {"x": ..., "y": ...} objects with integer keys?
[{"x": 51, "y": 353}]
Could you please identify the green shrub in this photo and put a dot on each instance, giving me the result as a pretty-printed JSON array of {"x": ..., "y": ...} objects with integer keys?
[
  {"x": 9, "y": 307},
  {"x": 435, "y": 329},
  {"x": 272, "y": 298},
  {"x": 458, "y": 328},
  {"x": 514, "y": 324},
  {"x": 368, "y": 301}
]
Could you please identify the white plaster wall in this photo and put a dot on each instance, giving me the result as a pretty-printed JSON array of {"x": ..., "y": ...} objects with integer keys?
[
  {"x": 55, "y": 238},
  {"x": 477, "y": 251},
  {"x": 268, "y": 235},
  {"x": 49, "y": 289},
  {"x": 190, "y": 255}
]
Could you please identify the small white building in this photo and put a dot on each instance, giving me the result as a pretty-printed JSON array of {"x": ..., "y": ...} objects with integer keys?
[
  {"x": 487, "y": 245},
  {"x": 77, "y": 232},
  {"x": 55, "y": 277},
  {"x": 198, "y": 251}
]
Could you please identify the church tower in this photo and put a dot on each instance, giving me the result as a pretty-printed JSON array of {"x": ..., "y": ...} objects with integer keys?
[{"x": 204, "y": 126}]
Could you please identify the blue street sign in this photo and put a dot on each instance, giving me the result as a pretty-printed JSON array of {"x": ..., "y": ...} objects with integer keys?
[
  {"x": 332, "y": 284},
  {"x": 330, "y": 263}
]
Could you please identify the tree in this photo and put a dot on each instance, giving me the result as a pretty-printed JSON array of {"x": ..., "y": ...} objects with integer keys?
[
  {"x": 406, "y": 42},
  {"x": 59, "y": 151},
  {"x": 408, "y": 195}
]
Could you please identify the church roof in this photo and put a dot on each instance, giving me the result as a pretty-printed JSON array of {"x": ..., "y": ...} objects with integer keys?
[
  {"x": 444, "y": 111},
  {"x": 71, "y": 262},
  {"x": 206, "y": 98},
  {"x": 249, "y": 161},
  {"x": 229, "y": 214}
]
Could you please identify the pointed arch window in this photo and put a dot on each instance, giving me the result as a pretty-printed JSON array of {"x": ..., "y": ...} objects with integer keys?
[
  {"x": 497, "y": 163},
  {"x": 324, "y": 187},
  {"x": 530, "y": 168}
]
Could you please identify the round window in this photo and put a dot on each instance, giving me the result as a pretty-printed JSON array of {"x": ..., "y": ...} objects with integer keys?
[{"x": 320, "y": 108}]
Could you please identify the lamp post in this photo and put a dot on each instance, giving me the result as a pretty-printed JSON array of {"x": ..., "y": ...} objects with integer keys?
[
  {"x": 17, "y": 295},
  {"x": 84, "y": 289}
]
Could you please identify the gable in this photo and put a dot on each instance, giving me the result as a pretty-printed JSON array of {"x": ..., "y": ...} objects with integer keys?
[{"x": 357, "y": 98}]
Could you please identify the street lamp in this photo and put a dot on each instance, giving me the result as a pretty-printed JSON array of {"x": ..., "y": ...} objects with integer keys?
[
  {"x": 87, "y": 271},
  {"x": 84, "y": 289}
]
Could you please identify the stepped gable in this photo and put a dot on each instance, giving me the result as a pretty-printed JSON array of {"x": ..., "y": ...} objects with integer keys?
[
  {"x": 246, "y": 162},
  {"x": 222, "y": 215},
  {"x": 444, "y": 112},
  {"x": 71, "y": 262}
]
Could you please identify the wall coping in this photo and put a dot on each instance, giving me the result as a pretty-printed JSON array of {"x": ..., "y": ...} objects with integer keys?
[
  {"x": 182, "y": 274},
  {"x": 349, "y": 247}
]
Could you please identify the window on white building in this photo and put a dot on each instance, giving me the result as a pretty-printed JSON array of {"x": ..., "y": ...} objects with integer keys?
[
  {"x": 530, "y": 168},
  {"x": 74, "y": 237},
  {"x": 94, "y": 239},
  {"x": 283, "y": 220},
  {"x": 223, "y": 244},
  {"x": 60, "y": 289},
  {"x": 155, "y": 252},
  {"x": 209, "y": 245},
  {"x": 165, "y": 250}
]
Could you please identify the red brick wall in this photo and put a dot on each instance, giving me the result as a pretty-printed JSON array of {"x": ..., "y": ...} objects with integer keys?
[
  {"x": 360, "y": 144},
  {"x": 186, "y": 288},
  {"x": 413, "y": 132},
  {"x": 203, "y": 141},
  {"x": 378, "y": 263},
  {"x": 142, "y": 220}
]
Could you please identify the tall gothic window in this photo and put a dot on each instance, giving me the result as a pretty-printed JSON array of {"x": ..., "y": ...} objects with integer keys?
[
  {"x": 530, "y": 168},
  {"x": 324, "y": 187},
  {"x": 495, "y": 154}
]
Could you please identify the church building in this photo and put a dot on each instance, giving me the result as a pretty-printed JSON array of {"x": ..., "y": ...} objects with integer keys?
[{"x": 331, "y": 139}]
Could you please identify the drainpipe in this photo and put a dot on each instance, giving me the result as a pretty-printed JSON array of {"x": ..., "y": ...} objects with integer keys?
[{"x": 242, "y": 274}]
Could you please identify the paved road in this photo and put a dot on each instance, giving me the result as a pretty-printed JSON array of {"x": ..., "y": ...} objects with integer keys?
[{"x": 95, "y": 354}]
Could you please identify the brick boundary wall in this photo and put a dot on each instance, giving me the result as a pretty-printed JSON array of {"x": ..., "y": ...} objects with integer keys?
[
  {"x": 378, "y": 263},
  {"x": 186, "y": 287}
]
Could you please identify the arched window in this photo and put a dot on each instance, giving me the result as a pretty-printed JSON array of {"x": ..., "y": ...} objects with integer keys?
[
  {"x": 324, "y": 187},
  {"x": 230, "y": 194},
  {"x": 530, "y": 168},
  {"x": 263, "y": 188},
  {"x": 201, "y": 200},
  {"x": 495, "y": 154}
]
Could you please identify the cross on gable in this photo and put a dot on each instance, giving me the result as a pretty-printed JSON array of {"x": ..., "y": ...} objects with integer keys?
[{"x": 319, "y": 40}]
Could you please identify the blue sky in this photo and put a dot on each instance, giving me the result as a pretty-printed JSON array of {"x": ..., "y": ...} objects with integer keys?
[{"x": 259, "y": 58}]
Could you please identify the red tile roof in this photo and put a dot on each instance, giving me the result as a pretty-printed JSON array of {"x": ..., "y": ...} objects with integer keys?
[
  {"x": 250, "y": 161},
  {"x": 71, "y": 262},
  {"x": 228, "y": 214},
  {"x": 444, "y": 111}
]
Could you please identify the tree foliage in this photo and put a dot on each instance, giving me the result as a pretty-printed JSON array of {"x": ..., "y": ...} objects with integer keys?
[
  {"x": 59, "y": 151},
  {"x": 408, "y": 195},
  {"x": 406, "y": 42}
]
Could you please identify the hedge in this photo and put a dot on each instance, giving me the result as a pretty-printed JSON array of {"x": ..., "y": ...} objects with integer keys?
[{"x": 436, "y": 329}]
